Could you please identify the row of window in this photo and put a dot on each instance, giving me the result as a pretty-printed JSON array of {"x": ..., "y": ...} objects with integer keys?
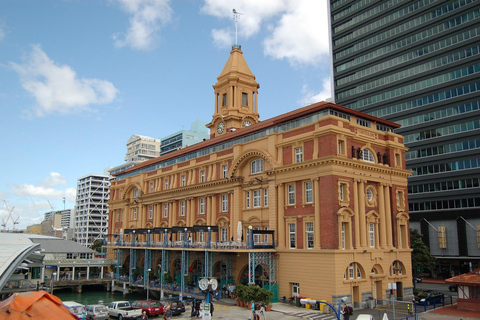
[
  {"x": 425, "y": 100},
  {"x": 355, "y": 6},
  {"x": 445, "y": 149},
  {"x": 182, "y": 205},
  {"x": 423, "y": 84},
  {"x": 444, "y": 185},
  {"x": 444, "y": 204},
  {"x": 390, "y": 18},
  {"x": 453, "y": 40},
  {"x": 244, "y": 99},
  {"x": 441, "y": 132},
  {"x": 410, "y": 72},
  {"x": 421, "y": 36},
  {"x": 440, "y": 114},
  {"x": 257, "y": 198},
  {"x": 446, "y": 167}
]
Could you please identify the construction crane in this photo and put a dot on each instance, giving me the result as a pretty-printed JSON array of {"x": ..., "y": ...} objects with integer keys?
[{"x": 9, "y": 217}]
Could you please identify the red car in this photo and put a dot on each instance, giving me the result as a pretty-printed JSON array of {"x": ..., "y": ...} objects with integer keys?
[{"x": 153, "y": 307}]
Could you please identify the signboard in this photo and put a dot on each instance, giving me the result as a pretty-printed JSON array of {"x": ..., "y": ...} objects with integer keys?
[
  {"x": 392, "y": 286},
  {"x": 206, "y": 312},
  {"x": 50, "y": 267}
]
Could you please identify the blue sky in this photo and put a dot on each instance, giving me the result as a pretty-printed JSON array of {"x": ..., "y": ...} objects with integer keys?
[{"x": 79, "y": 77}]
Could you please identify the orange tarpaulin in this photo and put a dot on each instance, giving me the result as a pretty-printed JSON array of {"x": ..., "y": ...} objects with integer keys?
[{"x": 34, "y": 305}]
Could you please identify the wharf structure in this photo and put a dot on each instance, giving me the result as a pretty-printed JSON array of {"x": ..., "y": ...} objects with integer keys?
[
  {"x": 417, "y": 63},
  {"x": 309, "y": 203}
]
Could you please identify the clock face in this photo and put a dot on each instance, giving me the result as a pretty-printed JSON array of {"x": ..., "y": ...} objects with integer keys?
[
  {"x": 221, "y": 127},
  {"x": 213, "y": 284},
  {"x": 246, "y": 123},
  {"x": 203, "y": 284}
]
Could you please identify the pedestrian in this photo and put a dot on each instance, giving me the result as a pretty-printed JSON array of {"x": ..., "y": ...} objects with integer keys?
[
  {"x": 346, "y": 312},
  {"x": 144, "y": 315},
  {"x": 262, "y": 311},
  {"x": 167, "y": 312},
  {"x": 197, "y": 307},
  {"x": 211, "y": 309}
]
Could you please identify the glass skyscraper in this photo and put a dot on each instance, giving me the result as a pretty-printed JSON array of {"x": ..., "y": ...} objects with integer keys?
[{"x": 417, "y": 63}]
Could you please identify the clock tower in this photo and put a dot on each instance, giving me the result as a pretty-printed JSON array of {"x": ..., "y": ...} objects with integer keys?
[{"x": 236, "y": 92}]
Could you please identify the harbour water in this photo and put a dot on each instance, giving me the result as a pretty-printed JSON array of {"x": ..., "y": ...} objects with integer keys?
[{"x": 92, "y": 295}]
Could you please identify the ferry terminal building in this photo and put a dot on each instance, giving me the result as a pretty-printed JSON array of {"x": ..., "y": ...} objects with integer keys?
[{"x": 310, "y": 203}]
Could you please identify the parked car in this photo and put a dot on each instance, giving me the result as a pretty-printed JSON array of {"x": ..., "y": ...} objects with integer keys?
[
  {"x": 176, "y": 306},
  {"x": 123, "y": 310},
  {"x": 97, "y": 312},
  {"x": 418, "y": 280},
  {"x": 429, "y": 297},
  {"x": 152, "y": 307},
  {"x": 453, "y": 288},
  {"x": 77, "y": 309}
]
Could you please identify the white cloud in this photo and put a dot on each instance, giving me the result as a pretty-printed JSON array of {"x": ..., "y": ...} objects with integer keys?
[
  {"x": 310, "y": 96},
  {"x": 147, "y": 16},
  {"x": 48, "y": 193},
  {"x": 55, "y": 179},
  {"x": 222, "y": 38},
  {"x": 298, "y": 28},
  {"x": 57, "y": 89}
]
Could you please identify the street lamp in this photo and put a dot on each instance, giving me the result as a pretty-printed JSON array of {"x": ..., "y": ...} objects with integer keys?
[{"x": 148, "y": 282}]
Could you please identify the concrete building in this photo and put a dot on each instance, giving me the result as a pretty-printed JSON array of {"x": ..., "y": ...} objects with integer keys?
[
  {"x": 309, "y": 203},
  {"x": 141, "y": 148},
  {"x": 65, "y": 217},
  {"x": 91, "y": 209},
  {"x": 416, "y": 63},
  {"x": 184, "y": 138}
]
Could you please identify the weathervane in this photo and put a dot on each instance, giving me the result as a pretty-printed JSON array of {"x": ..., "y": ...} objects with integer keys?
[{"x": 236, "y": 17}]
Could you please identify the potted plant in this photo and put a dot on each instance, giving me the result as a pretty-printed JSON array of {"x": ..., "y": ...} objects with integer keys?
[
  {"x": 239, "y": 292},
  {"x": 265, "y": 296}
]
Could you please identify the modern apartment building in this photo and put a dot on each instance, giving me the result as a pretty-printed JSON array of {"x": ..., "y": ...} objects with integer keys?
[
  {"x": 310, "y": 203},
  {"x": 417, "y": 63},
  {"x": 184, "y": 138},
  {"x": 65, "y": 217},
  {"x": 141, "y": 148},
  {"x": 91, "y": 209}
]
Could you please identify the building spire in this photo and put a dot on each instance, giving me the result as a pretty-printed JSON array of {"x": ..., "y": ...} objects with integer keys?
[{"x": 236, "y": 16}]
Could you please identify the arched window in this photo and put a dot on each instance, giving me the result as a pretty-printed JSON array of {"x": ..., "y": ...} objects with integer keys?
[
  {"x": 257, "y": 166},
  {"x": 368, "y": 155},
  {"x": 354, "y": 271}
]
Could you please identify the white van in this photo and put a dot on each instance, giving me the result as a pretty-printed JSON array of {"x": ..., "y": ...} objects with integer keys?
[{"x": 77, "y": 309}]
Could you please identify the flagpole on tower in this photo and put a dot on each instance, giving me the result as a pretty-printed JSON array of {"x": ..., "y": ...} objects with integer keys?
[{"x": 236, "y": 17}]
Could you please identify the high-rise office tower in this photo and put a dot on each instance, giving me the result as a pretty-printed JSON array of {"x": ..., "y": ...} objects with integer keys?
[
  {"x": 417, "y": 63},
  {"x": 91, "y": 218}
]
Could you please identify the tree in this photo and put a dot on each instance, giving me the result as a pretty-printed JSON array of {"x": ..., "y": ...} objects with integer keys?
[
  {"x": 97, "y": 245},
  {"x": 422, "y": 260}
]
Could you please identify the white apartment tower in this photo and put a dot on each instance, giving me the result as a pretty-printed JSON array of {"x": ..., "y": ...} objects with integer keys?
[{"x": 91, "y": 218}]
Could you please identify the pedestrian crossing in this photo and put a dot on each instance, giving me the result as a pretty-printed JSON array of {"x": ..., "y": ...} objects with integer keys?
[{"x": 312, "y": 315}]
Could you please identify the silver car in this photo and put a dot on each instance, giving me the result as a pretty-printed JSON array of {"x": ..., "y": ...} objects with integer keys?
[{"x": 97, "y": 312}]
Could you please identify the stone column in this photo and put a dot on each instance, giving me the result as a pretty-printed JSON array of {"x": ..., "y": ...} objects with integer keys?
[
  {"x": 388, "y": 214},
  {"x": 316, "y": 233},
  {"x": 363, "y": 226},
  {"x": 383, "y": 224},
  {"x": 281, "y": 218},
  {"x": 356, "y": 216}
]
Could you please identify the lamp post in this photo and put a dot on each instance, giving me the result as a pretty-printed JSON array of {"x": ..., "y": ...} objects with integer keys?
[
  {"x": 148, "y": 282},
  {"x": 54, "y": 275}
]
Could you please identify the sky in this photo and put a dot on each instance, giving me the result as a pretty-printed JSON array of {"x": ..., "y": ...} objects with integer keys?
[{"x": 79, "y": 77}]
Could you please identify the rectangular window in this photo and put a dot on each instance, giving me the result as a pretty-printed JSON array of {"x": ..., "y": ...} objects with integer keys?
[
  {"x": 308, "y": 192},
  {"x": 223, "y": 234},
  {"x": 256, "y": 237},
  {"x": 340, "y": 147},
  {"x": 244, "y": 99},
  {"x": 248, "y": 200},
  {"x": 202, "y": 205},
  {"x": 371, "y": 234},
  {"x": 257, "y": 166},
  {"x": 118, "y": 215},
  {"x": 134, "y": 213},
  {"x": 184, "y": 179},
  {"x": 165, "y": 210},
  {"x": 343, "y": 239},
  {"x": 224, "y": 100},
  {"x": 342, "y": 191},
  {"x": 182, "y": 208},
  {"x": 224, "y": 202},
  {"x": 256, "y": 198},
  {"x": 298, "y": 155},
  {"x": 265, "y": 236},
  {"x": 292, "y": 236},
  {"x": 152, "y": 187},
  {"x": 201, "y": 236},
  {"x": 225, "y": 171},
  {"x": 166, "y": 184},
  {"x": 291, "y": 194},
  {"x": 150, "y": 212},
  {"x": 309, "y": 234},
  {"x": 265, "y": 197},
  {"x": 202, "y": 176}
]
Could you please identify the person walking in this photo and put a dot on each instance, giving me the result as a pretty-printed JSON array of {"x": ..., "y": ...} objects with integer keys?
[
  {"x": 262, "y": 311},
  {"x": 167, "y": 313},
  {"x": 211, "y": 309},
  {"x": 144, "y": 315}
]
